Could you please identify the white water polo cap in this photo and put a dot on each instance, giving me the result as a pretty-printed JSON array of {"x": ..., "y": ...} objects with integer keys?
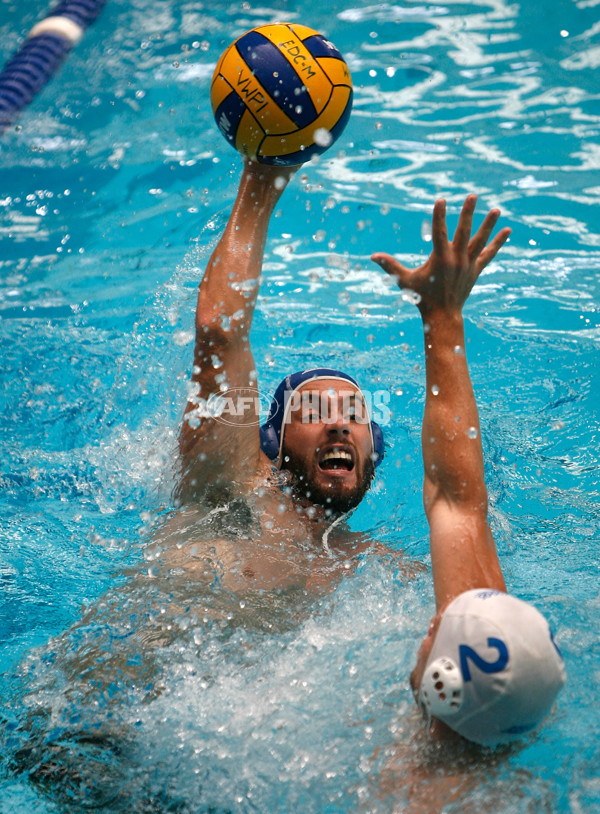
[{"x": 494, "y": 669}]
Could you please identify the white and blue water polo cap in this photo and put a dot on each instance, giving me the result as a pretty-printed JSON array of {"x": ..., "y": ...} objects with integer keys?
[
  {"x": 494, "y": 670},
  {"x": 272, "y": 431}
]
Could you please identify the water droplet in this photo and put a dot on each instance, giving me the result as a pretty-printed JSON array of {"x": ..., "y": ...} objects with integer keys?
[
  {"x": 472, "y": 432},
  {"x": 182, "y": 338},
  {"x": 435, "y": 389},
  {"x": 459, "y": 350},
  {"x": 411, "y": 296},
  {"x": 322, "y": 137}
]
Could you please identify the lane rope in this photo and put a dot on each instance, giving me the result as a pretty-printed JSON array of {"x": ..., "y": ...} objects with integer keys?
[{"x": 41, "y": 54}]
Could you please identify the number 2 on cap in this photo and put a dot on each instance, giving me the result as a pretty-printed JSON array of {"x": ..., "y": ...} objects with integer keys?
[{"x": 465, "y": 653}]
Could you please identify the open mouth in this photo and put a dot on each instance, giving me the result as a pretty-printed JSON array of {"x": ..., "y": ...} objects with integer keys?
[{"x": 336, "y": 459}]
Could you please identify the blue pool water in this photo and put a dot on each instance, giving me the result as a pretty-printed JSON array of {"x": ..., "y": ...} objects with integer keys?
[{"x": 115, "y": 186}]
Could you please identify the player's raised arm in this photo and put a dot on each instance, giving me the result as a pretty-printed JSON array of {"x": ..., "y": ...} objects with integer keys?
[
  {"x": 215, "y": 450},
  {"x": 462, "y": 548},
  {"x": 488, "y": 668}
]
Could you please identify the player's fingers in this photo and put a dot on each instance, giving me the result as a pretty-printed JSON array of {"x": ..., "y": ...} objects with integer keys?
[
  {"x": 492, "y": 249},
  {"x": 439, "y": 231},
  {"x": 481, "y": 237},
  {"x": 465, "y": 223},
  {"x": 391, "y": 266}
]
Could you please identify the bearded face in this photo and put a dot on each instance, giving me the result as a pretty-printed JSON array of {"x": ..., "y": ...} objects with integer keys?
[{"x": 328, "y": 446}]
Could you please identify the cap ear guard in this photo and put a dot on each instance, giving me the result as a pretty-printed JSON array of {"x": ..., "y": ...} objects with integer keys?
[
  {"x": 269, "y": 441},
  {"x": 441, "y": 691},
  {"x": 378, "y": 444}
]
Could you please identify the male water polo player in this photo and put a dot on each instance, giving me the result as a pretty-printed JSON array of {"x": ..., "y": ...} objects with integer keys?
[
  {"x": 488, "y": 668},
  {"x": 318, "y": 434}
]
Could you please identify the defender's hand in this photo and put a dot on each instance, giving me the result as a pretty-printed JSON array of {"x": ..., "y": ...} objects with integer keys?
[{"x": 446, "y": 278}]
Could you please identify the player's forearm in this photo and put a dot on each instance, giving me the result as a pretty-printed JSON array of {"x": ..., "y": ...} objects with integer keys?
[
  {"x": 452, "y": 453},
  {"x": 229, "y": 289},
  {"x": 226, "y": 301}
]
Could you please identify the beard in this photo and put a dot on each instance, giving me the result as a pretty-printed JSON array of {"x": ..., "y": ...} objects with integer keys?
[{"x": 337, "y": 500}]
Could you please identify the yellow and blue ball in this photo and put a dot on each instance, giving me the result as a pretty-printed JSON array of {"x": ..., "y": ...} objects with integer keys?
[{"x": 281, "y": 93}]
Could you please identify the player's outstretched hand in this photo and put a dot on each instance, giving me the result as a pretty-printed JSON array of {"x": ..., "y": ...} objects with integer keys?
[{"x": 445, "y": 280}]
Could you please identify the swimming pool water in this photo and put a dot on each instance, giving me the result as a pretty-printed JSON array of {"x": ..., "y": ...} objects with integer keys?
[{"x": 116, "y": 184}]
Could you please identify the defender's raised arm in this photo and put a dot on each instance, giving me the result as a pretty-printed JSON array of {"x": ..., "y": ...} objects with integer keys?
[
  {"x": 463, "y": 554},
  {"x": 488, "y": 668}
]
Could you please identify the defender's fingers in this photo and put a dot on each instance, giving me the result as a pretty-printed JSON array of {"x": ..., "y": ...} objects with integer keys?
[
  {"x": 492, "y": 249},
  {"x": 465, "y": 224},
  {"x": 390, "y": 265},
  {"x": 481, "y": 237},
  {"x": 439, "y": 232},
  {"x": 405, "y": 277}
]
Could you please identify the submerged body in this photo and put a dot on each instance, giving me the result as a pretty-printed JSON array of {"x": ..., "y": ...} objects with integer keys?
[{"x": 214, "y": 585}]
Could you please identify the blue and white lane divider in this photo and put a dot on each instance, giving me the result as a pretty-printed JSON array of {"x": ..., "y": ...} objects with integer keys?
[{"x": 42, "y": 52}]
